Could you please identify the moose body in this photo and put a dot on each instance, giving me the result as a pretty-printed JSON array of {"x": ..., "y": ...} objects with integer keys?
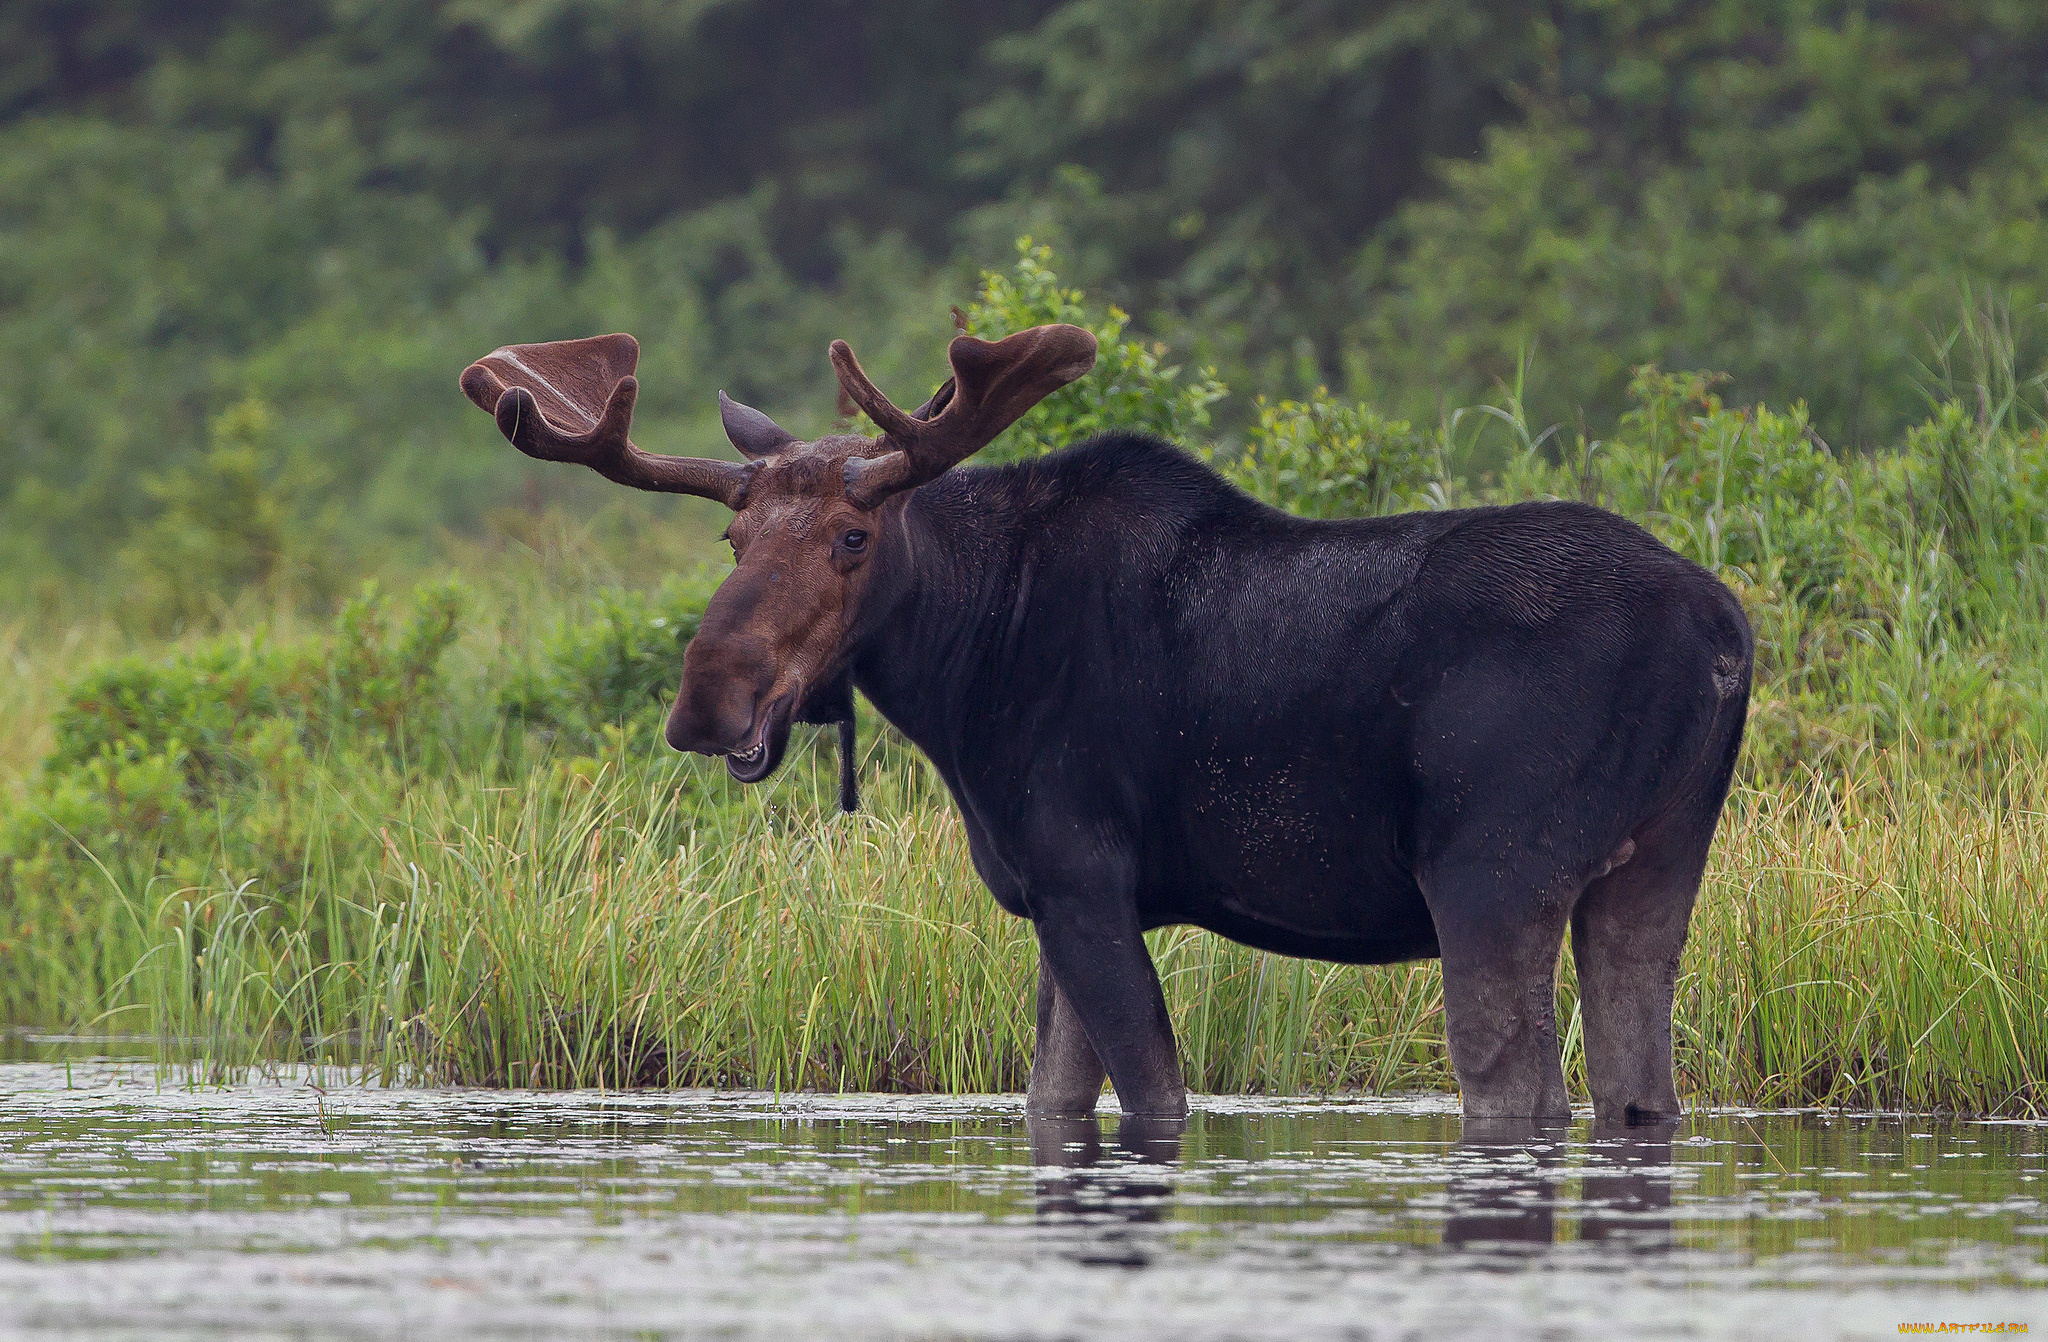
[{"x": 1156, "y": 700}]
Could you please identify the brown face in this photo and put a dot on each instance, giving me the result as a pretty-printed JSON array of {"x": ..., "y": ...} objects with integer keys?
[
  {"x": 807, "y": 516},
  {"x": 775, "y": 633}
]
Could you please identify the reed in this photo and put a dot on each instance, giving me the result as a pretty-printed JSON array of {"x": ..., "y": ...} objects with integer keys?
[{"x": 1863, "y": 946}]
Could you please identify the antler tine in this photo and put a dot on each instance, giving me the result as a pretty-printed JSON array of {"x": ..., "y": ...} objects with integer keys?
[
  {"x": 880, "y": 408},
  {"x": 572, "y": 401},
  {"x": 993, "y": 385}
]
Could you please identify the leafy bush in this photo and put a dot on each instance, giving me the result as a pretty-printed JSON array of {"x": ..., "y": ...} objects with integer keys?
[
  {"x": 227, "y": 524},
  {"x": 370, "y": 682},
  {"x": 174, "y": 774},
  {"x": 1131, "y": 387},
  {"x": 1330, "y": 458},
  {"x": 617, "y": 669},
  {"x": 1750, "y": 490},
  {"x": 1542, "y": 245}
]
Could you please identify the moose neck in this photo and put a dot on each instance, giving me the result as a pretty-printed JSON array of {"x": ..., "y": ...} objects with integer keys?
[{"x": 935, "y": 623}]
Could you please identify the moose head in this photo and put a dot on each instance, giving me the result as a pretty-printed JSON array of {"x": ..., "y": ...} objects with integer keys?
[{"x": 775, "y": 642}]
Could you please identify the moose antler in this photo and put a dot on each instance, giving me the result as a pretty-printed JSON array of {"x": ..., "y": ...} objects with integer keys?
[
  {"x": 993, "y": 384},
  {"x": 572, "y": 400}
]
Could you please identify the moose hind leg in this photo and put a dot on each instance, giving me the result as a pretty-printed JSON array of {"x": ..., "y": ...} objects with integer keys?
[
  {"x": 1628, "y": 931},
  {"x": 1066, "y": 1076},
  {"x": 1499, "y": 947}
]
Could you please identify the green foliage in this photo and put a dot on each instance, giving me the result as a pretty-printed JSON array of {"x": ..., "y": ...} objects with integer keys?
[
  {"x": 369, "y": 679},
  {"x": 250, "y": 778},
  {"x": 617, "y": 668},
  {"x": 1131, "y": 387},
  {"x": 151, "y": 286},
  {"x": 151, "y": 289},
  {"x": 1329, "y": 458},
  {"x": 1538, "y": 245},
  {"x": 1748, "y": 490},
  {"x": 224, "y": 527},
  {"x": 168, "y": 774},
  {"x": 1406, "y": 198},
  {"x": 331, "y": 208}
]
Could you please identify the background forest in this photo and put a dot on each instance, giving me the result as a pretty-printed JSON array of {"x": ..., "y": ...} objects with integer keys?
[
  {"x": 1767, "y": 278},
  {"x": 318, "y": 210}
]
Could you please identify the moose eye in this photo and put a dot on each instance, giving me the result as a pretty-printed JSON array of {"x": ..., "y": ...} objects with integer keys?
[{"x": 854, "y": 541}]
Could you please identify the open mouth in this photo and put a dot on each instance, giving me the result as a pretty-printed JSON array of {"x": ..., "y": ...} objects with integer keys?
[{"x": 759, "y": 757}]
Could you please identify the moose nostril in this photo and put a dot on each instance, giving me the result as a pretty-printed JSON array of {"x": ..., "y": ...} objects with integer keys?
[
  {"x": 684, "y": 730},
  {"x": 676, "y": 734},
  {"x": 727, "y": 676},
  {"x": 712, "y": 719},
  {"x": 736, "y": 724},
  {"x": 702, "y": 720}
]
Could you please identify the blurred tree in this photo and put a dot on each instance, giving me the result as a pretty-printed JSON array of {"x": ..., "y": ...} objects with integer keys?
[
  {"x": 334, "y": 204},
  {"x": 1797, "y": 194},
  {"x": 555, "y": 116},
  {"x": 1236, "y": 156}
]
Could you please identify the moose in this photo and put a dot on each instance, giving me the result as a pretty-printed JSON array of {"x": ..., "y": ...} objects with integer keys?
[{"x": 1156, "y": 700}]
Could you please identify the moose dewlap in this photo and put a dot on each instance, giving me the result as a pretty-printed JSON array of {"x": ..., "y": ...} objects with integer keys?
[{"x": 1157, "y": 700}]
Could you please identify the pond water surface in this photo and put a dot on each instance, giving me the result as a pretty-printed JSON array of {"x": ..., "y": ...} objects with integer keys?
[{"x": 131, "y": 1207}]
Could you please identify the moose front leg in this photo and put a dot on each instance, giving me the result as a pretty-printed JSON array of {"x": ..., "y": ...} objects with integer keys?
[
  {"x": 1095, "y": 960},
  {"x": 1066, "y": 1076}
]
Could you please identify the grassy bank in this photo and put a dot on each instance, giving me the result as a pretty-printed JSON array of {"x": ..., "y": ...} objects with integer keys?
[
  {"x": 1874, "y": 946},
  {"x": 438, "y": 833}
]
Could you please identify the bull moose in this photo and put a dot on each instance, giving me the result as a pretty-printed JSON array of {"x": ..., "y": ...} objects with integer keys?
[{"x": 1157, "y": 700}]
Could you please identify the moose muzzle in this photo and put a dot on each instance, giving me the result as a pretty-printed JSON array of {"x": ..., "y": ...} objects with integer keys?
[{"x": 726, "y": 706}]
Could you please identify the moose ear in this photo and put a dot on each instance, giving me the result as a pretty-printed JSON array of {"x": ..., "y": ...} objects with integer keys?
[{"x": 752, "y": 432}]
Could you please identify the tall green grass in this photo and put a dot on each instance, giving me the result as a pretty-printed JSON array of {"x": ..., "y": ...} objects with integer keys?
[{"x": 1875, "y": 946}]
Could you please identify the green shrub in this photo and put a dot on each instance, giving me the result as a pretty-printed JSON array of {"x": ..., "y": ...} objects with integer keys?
[
  {"x": 1329, "y": 458},
  {"x": 618, "y": 668},
  {"x": 1131, "y": 387},
  {"x": 370, "y": 681},
  {"x": 1751, "y": 490},
  {"x": 230, "y": 521},
  {"x": 206, "y": 767}
]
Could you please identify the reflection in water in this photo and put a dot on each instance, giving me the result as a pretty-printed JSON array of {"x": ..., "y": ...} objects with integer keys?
[
  {"x": 1626, "y": 1188},
  {"x": 1513, "y": 1171},
  {"x": 1075, "y": 1181},
  {"x": 132, "y": 1209},
  {"x": 1505, "y": 1191},
  {"x": 1508, "y": 1184}
]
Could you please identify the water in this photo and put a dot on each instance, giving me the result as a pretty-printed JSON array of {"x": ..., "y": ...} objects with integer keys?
[{"x": 133, "y": 1210}]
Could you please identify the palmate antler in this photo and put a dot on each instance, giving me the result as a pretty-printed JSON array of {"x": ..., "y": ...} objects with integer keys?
[
  {"x": 572, "y": 400},
  {"x": 993, "y": 384}
]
